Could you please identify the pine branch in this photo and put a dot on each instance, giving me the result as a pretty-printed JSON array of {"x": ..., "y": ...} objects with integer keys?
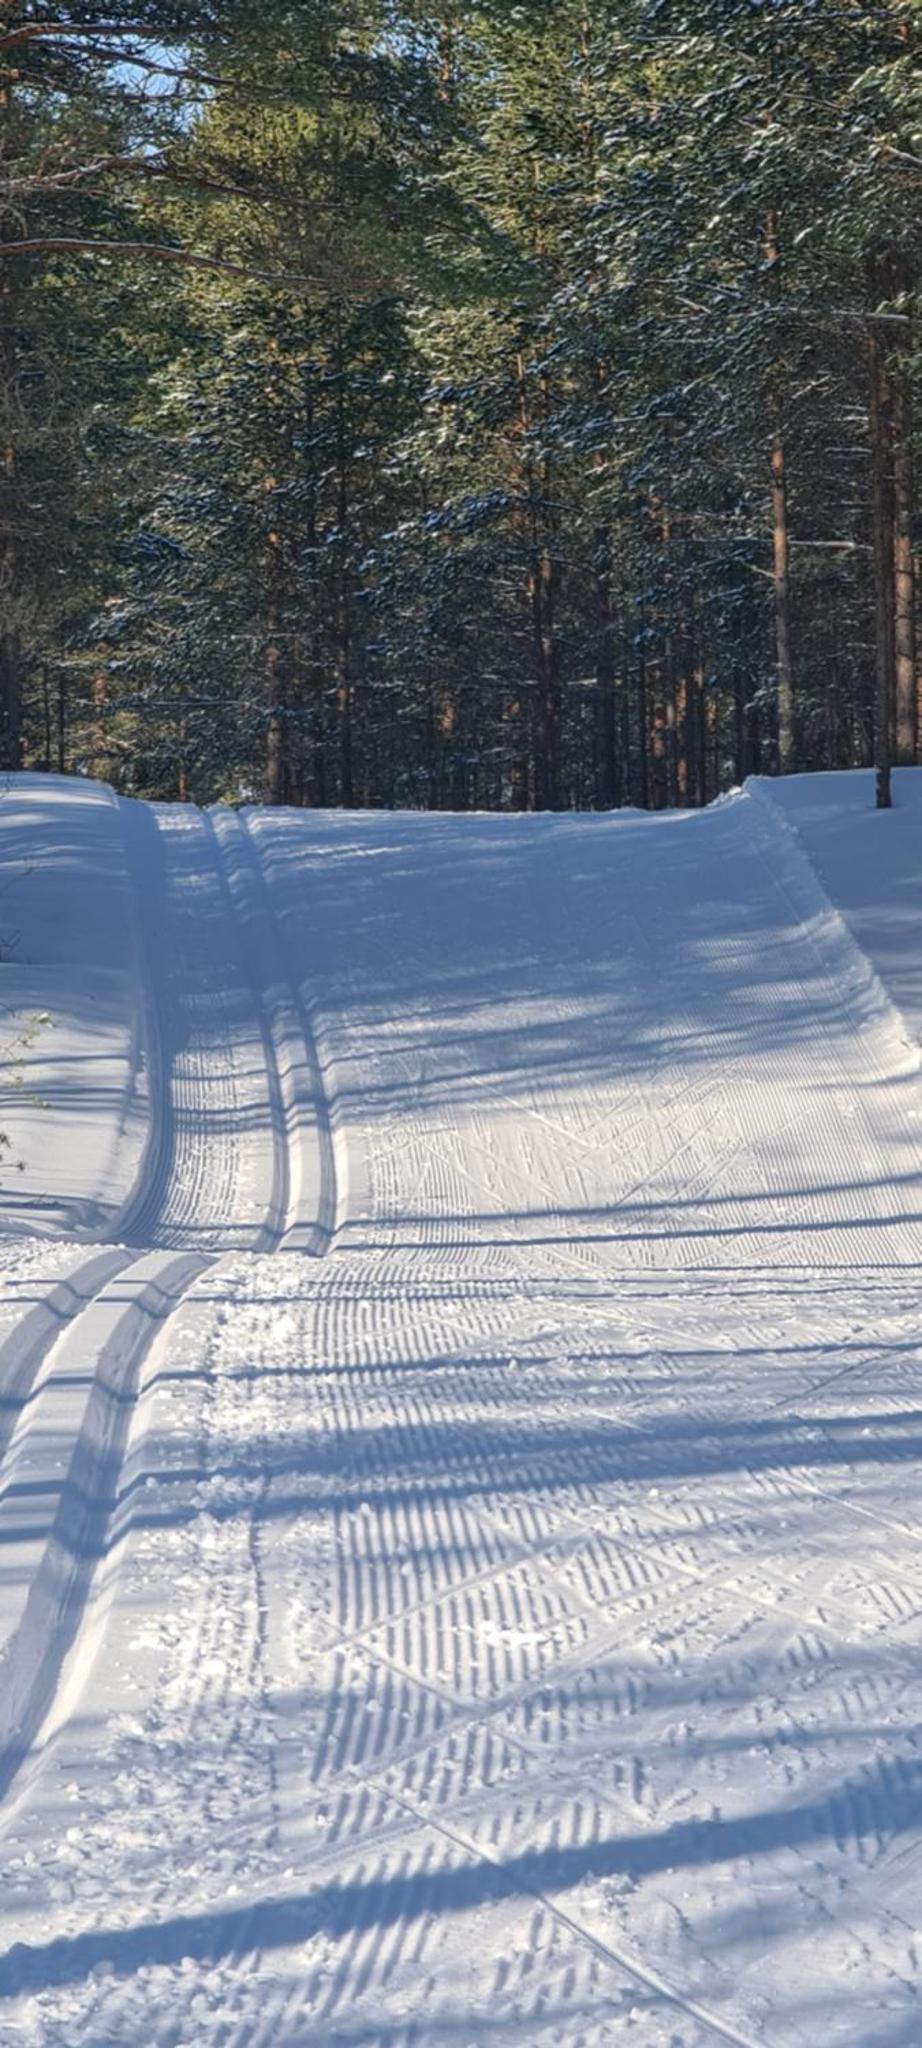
[{"x": 166, "y": 252}]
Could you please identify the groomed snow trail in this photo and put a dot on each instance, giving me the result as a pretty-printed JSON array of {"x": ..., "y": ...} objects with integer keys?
[
  {"x": 218, "y": 1175},
  {"x": 501, "y": 1626}
]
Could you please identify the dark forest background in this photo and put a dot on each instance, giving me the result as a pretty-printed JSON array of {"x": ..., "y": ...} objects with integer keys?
[{"x": 458, "y": 406}]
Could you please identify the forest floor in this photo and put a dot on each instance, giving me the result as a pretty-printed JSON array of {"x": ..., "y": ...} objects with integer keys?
[{"x": 460, "y": 1426}]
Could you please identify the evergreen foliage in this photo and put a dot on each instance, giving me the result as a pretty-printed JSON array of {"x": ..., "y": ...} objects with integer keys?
[{"x": 452, "y": 407}]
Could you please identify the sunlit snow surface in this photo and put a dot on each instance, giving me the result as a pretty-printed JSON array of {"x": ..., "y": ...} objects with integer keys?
[{"x": 460, "y": 1578}]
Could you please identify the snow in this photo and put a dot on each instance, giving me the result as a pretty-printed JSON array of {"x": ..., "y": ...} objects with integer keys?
[
  {"x": 72, "y": 1029},
  {"x": 868, "y": 861},
  {"x": 459, "y": 1531}
]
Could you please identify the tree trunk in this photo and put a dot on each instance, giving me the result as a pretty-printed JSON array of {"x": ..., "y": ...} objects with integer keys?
[
  {"x": 740, "y": 732},
  {"x": 10, "y": 697},
  {"x": 742, "y": 754},
  {"x": 518, "y": 773},
  {"x": 100, "y": 694},
  {"x": 701, "y": 733},
  {"x": 904, "y": 628},
  {"x": 275, "y": 724},
  {"x": 541, "y": 589},
  {"x": 695, "y": 738},
  {"x": 10, "y": 652},
  {"x": 607, "y": 777},
  {"x": 781, "y": 547},
  {"x": 62, "y": 725},
  {"x": 670, "y": 664},
  {"x": 643, "y": 748},
  {"x": 546, "y": 651},
  {"x": 541, "y": 601},
  {"x": 276, "y": 767},
  {"x": 882, "y": 538},
  {"x": 781, "y": 581},
  {"x": 46, "y": 716},
  {"x": 344, "y": 650}
]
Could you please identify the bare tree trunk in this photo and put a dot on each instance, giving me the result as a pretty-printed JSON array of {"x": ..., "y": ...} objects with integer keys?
[
  {"x": 312, "y": 745},
  {"x": 740, "y": 733},
  {"x": 697, "y": 738},
  {"x": 541, "y": 588},
  {"x": 742, "y": 753},
  {"x": 880, "y": 422},
  {"x": 781, "y": 556},
  {"x": 344, "y": 652},
  {"x": 701, "y": 730},
  {"x": 781, "y": 547},
  {"x": 690, "y": 714},
  {"x": 62, "y": 725},
  {"x": 275, "y": 724},
  {"x": 100, "y": 694},
  {"x": 10, "y": 651},
  {"x": 276, "y": 736},
  {"x": 643, "y": 736},
  {"x": 546, "y": 649},
  {"x": 904, "y": 572},
  {"x": 518, "y": 773},
  {"x": 658, "y": 785},
  {"x": 295, "y": 744},
  {"x": 670, "y": 671},
  {"x": 681, "y": 734},
  {"x": 607, "y": 777},
  {"x": 46, "y": 710},
  {"x": 10, "y": 700}
]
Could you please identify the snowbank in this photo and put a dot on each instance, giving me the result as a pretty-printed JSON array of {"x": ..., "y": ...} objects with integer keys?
[
  {"x": 74, "y": 1098},
  {"x": 870, "y": 865}
]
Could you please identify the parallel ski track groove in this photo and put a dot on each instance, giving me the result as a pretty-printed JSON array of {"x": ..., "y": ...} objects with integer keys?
[
  {"x": 24, "y": 1350},
  {"x": 322, "y": 1231},
  {"x": 273, "y": 1229},
  {"x": 77, "y": 1537},
  {"x": 189, "y": 1199}
]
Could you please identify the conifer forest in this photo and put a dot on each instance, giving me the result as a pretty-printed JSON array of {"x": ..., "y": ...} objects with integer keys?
[{"x": 459, "y": 406}]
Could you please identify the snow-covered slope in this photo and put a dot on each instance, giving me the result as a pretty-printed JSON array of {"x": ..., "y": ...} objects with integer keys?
[
  {"x": 71, "y": 1002},
  {"x": 870, "y": 863},
  {"x": 637, "y": 1040},
  {"x": 459, "y": 1546}
]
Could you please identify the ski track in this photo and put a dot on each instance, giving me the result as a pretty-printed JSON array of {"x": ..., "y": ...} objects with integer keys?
[
  {"x": 221, "y": 1175},
  {"x": 503, "y": 1625}
]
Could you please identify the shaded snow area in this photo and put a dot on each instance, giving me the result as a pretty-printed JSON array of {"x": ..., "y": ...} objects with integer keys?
[
  {"x": 460, "y": 1392},
  {"x": 71, "y": 1024}
]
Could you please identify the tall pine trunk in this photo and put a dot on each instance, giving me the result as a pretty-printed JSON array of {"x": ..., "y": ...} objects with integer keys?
[
  {"x": 344, "y": 649},
  {"x": 880, "y": 422},
  {"x": 781, "y": 545},
  {"x": 643, "y": 734},
  {"x": 670, "y": 664},
  {"x": 100, "y": 753},
  {"x": 541, "y": 584},
  {"x": 607, "y": 776},
  {"x": 10, "y": 651},
  {"x": 276, "y": 765},
  {"x": 781, "y": 578},
  {"x": 548, "y": 764},
  {"x": 275, "y": 716},
  {"x": 904, "y": 624}
]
